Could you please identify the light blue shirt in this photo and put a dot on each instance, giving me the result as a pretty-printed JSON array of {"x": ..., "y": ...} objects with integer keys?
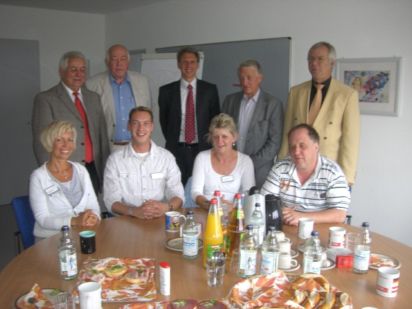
[
  {"x": 247, "y": 108},
  {"x": 124, "y": 101}
]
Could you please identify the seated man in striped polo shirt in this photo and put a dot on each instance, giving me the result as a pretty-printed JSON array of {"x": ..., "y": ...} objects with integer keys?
[{"x": 308, "y": 184}]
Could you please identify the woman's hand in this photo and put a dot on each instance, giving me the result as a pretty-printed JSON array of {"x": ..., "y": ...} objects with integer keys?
[{"x": 87, "y": 219}]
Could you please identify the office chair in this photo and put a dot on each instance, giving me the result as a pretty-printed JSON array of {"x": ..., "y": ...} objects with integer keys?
[
  {"x": 25, "y": 222},
  {"x": 189, "y": 202}
]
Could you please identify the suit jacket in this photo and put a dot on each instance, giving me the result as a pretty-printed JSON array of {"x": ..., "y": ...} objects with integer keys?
[
  {"x": 338, "y": 123},
  {"x": 170, "y": 112},
  {"x": 264, "y": 133},
  {"x": 56, "y": 104},
  {"x": 100, "y": 83}
]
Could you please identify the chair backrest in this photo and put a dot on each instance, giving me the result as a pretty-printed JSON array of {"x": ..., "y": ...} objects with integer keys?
[
  {"x": 189, "y": 202},
  {"x": 24, "y": 219}
]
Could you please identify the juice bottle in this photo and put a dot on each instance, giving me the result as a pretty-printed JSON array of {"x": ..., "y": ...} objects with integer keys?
[
  {"x": 234, "y": 232},
  {"x": 213, "y": 236},
  {"x": 223, "y": 216}
]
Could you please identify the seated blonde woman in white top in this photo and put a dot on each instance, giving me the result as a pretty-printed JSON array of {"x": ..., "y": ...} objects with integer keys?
[
  {"x": 61, "y": 192},
  {"x": 221, "y": 168}
]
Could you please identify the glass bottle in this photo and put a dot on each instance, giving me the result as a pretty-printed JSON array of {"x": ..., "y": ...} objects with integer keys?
[
  {"x": 258, "y": 223},
  {"x": 190, "y": 236},
  {"x": 67, "y": 255},
  {"x": 270, "y": 253},
  {"x": 213, "y": 236},
  {"x": 235, "y": 229},
  {"x": 362, "y": 252},
  {"x": 248, "y": 254},
  {"x": 223, "y": 215},
  {"x": 312, "y": 256}
]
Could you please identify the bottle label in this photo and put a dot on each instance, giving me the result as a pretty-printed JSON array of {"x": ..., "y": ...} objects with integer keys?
[
  {"x": 240, "y": 214},
  {"x": 247, "y": 263},
  {"x": 310, "y": 265},
  {"x": 269, "y": 262},
  {"x": 213, "y": 248},
  {"x": 68, "y": 263},
  {"x": 361, "y": 258},
  {"x": 190, "y": 245}
]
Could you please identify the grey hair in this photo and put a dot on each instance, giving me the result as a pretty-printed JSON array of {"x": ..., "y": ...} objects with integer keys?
[
  {"x": 109, "y": 51},
  {"x": 330, "y": 48},
  {"x": 250, "y": 63},
  {"x": 64, "y": 60}
]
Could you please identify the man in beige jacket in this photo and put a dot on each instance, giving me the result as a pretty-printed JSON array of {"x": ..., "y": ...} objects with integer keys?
[{"x": 336, "y": 118}]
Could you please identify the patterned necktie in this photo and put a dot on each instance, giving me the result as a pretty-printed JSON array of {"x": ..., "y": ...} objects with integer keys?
[
  {"x": 87, "y": 140},
  {"x": 190, "y": 116},
  {"x": 316, "y": 104}
]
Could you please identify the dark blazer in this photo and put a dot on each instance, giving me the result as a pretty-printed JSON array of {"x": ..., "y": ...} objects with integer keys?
[
  {"x": 265, "y": 130},
  {"x": 170, "y": 112},
  {"x": 56, "y": 104}
]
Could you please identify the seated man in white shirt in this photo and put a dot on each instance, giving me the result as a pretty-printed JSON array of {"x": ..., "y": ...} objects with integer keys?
[
  {"x": 142, "y": 180},
  {"x": 308, "y": 184}
]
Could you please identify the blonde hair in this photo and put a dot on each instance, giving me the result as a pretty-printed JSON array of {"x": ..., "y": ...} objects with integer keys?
[
  {"x": 222, "y": 121},
  {"x": 54, "y": 130}
]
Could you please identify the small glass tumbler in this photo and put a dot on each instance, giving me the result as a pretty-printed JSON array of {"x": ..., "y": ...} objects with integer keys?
[{"x": 215, "y": 268}]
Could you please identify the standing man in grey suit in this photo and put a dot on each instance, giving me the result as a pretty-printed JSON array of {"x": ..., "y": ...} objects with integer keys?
[
  {"x": 71, "y": 101},
  {"x": 120, "y": 91},
  {"x": 186, "y": 108},
  {"x": 259, "y": 117}
]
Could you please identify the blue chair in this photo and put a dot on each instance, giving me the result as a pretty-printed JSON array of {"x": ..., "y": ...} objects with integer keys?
[
  {"x": 189, "y": 202},
  {"x": 25, "y": 222}
]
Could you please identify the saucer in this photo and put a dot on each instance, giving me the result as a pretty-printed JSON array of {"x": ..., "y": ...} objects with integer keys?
[
  {"x": 176, "y": 244},
  {"x": 294, "y": 253},
  {"x": 290, "y": 269},
  {"x": 329, "y": 265}
]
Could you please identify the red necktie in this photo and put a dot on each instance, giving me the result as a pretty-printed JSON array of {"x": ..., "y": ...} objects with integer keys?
[
  {"x": 87, "y": 140},
  {"x": 190, "y": 116}
]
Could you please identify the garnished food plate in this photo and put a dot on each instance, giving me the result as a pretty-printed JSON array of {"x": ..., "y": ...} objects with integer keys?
[
  {"x": 178, "y": 304},
  {"x": 38, "y": 298},
  {"x": 380, "y": 260}
]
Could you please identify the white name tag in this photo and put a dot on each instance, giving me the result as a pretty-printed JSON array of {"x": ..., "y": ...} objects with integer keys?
[
  {"x": 52, "y": 189},
  {"x": 227, "y": 178},
  {"x": 157, "y": 176}
]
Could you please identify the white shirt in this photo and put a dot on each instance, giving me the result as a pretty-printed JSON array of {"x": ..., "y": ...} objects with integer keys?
[
  {"x": 205, "y": 180},
  {"x": 183, "y": 97},
  {"x": 247, "y": 108},
  {"x": 50, "y": 206},
  {"x": 132, "y": 179},
  {"x": 71, "y": 95}
]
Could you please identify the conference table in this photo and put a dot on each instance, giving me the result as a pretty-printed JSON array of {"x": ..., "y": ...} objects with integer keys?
[{"x": 130, "y": 237}]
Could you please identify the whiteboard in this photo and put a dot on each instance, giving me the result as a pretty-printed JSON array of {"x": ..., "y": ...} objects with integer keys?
[{"x": 161, "y": 69}]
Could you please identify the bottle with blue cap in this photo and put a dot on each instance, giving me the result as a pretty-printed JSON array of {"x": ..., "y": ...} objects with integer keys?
[{"x": 312, "y": 256}]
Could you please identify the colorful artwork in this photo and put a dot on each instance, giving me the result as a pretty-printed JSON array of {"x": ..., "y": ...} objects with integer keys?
[{"x": 372, "y": 86}]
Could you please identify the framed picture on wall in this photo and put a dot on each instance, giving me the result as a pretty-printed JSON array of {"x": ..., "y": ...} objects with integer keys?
[{"x": 375, "y": 79}]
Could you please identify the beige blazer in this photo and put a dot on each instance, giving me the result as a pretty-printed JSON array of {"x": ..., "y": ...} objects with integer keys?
[
  {"x": 100, "y": 83},
  {"x": 338, "y": 123}
]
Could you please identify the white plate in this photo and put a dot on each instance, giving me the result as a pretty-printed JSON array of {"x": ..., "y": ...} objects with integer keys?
[
  {"x": 286, "y": 270},
  {"x": 176, "y": 244},
  {"x": 390, "y": 261},
  {"x": 329, "y": 265},
  {"x": 49, "y": 293}
]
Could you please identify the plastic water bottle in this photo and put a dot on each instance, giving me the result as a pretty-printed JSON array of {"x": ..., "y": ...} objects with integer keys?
[
  {"x": 190, "y": 237},
  {"x": 270, "y": 253},
  {"x": 67, "y": 255},
  {"x": 362, "y": 251},
  {"x": 258, "y": 223},
  {"x": 312, "y": 256},
  {"x": 248, "y": 254}
]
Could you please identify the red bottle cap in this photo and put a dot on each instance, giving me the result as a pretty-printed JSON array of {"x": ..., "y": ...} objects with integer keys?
[{"x": 164, "y": 264}]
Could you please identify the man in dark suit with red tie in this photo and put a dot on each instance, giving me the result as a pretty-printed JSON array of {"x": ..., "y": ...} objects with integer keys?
[{"x": 186, "y": 108}]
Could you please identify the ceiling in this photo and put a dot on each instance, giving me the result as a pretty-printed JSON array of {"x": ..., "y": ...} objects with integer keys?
[{"x": 85, "y": 6}]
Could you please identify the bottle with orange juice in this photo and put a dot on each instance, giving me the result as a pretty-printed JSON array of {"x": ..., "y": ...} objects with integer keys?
[{"x": 213, "y": 236}]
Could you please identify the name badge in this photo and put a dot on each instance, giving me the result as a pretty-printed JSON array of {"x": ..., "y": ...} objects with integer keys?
[
  {"x": 227, "y": 178},
  {"x": 51, "y": 190},
  {"x": 157, "y": 176}
]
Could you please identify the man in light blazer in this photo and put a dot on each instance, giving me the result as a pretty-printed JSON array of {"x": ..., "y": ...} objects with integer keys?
[
  {"x": 259, "y": 118},
  {"x": 59, "y": 103},
  {"x": 173, "y": 106},
  {"x": 337, "y": 120},
  {"x": 120, "y": 90}
]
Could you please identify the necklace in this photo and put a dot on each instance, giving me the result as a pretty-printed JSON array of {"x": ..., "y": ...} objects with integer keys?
[{"x": 64, "y": 173}]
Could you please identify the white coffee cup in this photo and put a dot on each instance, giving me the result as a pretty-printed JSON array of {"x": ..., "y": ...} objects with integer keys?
[
  {"x": 90, "y": 295},
  {"x": 388, "y": 281},
  {"x": 305, "y": 227},
  {"x": 286, "y": 261},
  {"x": 284, "y": 246},
  {"x": 337, "y": 237},
  {"x": 279, "y": 235}
]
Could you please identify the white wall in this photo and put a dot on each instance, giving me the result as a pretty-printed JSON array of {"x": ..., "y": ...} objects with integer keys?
[
  {"x": 57, "y": 33},
  {"x": 368, "y": 28}
]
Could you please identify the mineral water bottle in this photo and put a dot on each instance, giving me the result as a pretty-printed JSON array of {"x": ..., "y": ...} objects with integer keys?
[
  {"x": 362, "y": 251},
  {"x": 234, "y": 231},
  {"x": 67, "y": 255},
  {"x": 248, "y": 254},
  {"x": 258, "y": 223},
  {"x": 312, "y": 256},
  {"x": 190, "y": 237},
  {"x": 270, "y": 253},
  {"x": 213, "y": 237}
]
